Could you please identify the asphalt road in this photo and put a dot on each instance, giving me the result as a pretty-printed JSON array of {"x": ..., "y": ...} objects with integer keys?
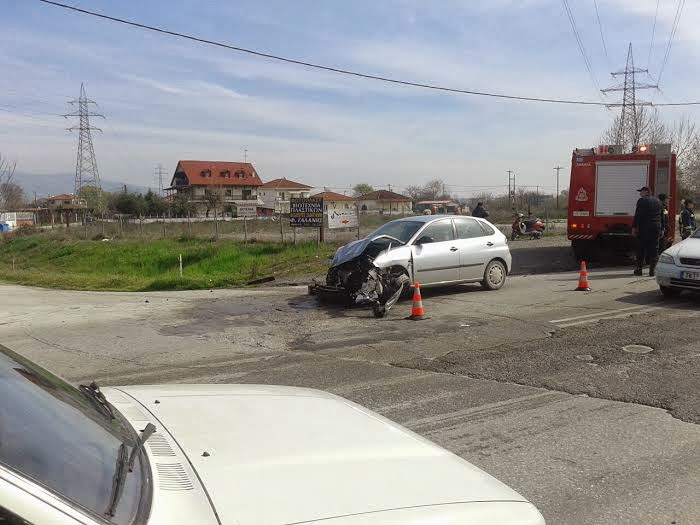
[{"x": 530, "y": 383}]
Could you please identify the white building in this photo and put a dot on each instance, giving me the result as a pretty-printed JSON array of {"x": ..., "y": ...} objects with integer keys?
[{"x": 276, "y": 194}]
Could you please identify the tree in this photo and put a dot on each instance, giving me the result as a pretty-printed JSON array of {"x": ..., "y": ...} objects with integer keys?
[
  {"x": 13, "y": 196},
  {"x": 155, "y": 204},
  {"x": 96, "y": 200},
  {"x": 8, "y": 189},
  {"x": 181, "y": 205},
  {"x": 415, "y": 192},
  {"x": 214, "y": 197},
  {"x": 362, "y": 189},
  {"x": 128, "y": 203},
  {"x": 435, "y": 189}
]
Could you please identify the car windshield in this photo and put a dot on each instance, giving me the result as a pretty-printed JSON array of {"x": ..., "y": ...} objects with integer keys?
[
  {"x": 53, "y": 434},
  {"x": 401, "y": 230}
]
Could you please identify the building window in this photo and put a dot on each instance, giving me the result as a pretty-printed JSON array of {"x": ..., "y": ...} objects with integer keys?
[
  {"x": 226, "y": 174},
  {"x": 206, "y": 173},
  {"x": 282, "y": 195},
  {"x": 364, "y": 207}
]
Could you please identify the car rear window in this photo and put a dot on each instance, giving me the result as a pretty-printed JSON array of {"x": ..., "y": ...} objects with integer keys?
[{"x": 488, "y": 230}]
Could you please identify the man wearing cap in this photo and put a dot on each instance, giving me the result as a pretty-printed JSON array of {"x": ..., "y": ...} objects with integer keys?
[
  {"x": 646, "y": 227},
  {"x": 480, "y": 211}
]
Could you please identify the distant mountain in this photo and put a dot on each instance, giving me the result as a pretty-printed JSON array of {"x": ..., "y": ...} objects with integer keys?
[{"x": 45, "y": 185}]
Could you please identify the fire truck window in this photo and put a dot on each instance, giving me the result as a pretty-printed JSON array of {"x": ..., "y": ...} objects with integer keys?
[{"x": 468, "y": 229}]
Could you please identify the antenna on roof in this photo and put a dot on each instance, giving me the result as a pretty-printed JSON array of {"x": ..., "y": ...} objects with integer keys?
[{"x": 245, "y": 154}]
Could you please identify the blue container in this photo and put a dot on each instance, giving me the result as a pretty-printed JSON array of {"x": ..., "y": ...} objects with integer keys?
[{"x": 4, "y": 228}]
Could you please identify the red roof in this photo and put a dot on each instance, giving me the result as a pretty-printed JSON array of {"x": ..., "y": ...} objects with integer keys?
[
  {"x": 284, "y": 184},
  {"x": 383, "y": 195},
  {"x": 61, "y": 197},
  {"x": 333, "y": 196},
  {"x": 216, "y": 173}
]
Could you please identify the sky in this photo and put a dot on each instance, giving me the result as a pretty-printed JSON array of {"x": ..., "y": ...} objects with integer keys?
[{"x": 167, "y": 99}]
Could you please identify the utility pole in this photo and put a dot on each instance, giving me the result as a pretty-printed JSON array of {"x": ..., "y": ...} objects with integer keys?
[
  {"x": 86, "y": 173},
  {"x": 511, "y": 187},
  {"x": 245, "y": 155},
  {"x": 558, "y": 168},
  {"x": 628, "y": 129}
]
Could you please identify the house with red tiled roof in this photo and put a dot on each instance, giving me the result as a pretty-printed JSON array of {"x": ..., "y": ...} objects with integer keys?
[
  {"x": 236, "y": 182},
  {"x": 385, "y": 202},
  {"x": 333, "y": 201},
  {"x": 275, "y": 194},
  {"x": 64, "y": 200}
]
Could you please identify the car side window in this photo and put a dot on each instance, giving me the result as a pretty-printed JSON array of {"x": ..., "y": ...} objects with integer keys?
[
  {"x": 439, "y": 231},
  {"x": 488, "y": 230},
  {"x": 10, "y": 518},
  {"x": 468, "y": 229}
]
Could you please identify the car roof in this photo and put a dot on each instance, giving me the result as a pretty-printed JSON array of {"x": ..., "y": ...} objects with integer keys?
[{"x": 429, "y": 218}]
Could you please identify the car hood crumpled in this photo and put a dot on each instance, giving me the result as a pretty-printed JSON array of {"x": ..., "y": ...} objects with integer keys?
[{"x": 280, "y": 455}]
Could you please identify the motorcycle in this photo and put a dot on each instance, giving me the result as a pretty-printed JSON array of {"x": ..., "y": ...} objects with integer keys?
[
  {"x": 357, "y": 276},
  {"x": 532, "y": 228}
]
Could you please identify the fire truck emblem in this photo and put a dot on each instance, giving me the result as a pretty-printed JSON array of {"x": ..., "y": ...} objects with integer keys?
[{"x": 582, "y": 195}]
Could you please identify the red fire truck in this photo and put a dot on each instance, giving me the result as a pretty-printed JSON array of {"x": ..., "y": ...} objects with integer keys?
[{"x": 603, "y": 195}]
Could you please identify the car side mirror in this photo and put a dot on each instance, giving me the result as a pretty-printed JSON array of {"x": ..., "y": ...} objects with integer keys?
[{"x": 426, "y": 239}]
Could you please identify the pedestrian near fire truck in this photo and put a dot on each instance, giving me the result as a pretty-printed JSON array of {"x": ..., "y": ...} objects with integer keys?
[
  {"x": 646, "y": 227},
  {"x": 665, "y": 241},
  {"x": 687, "y": 219}
]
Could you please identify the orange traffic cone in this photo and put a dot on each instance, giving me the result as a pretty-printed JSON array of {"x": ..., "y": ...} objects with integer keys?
[
  {"x": 583, "y": 285},
  {"x": 417, "y": 312}
]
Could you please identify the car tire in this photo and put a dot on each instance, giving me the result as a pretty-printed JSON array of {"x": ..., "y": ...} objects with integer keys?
[
  {"x": 668, "y": 291},
  {"x": 494, "y": 275}
]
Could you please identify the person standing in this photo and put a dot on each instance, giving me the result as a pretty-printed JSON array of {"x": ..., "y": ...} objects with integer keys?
[
  {"x": 646, "y": 227},
  {"x": 687, "y": 219},
  {"x": 664, "y": 241},
  {"x": 480, "y": 211}
]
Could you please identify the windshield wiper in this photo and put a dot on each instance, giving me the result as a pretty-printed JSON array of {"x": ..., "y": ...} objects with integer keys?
[
  {"x": 120, "y": 473},
  {"x": 125, "y": 464},
  {"x": 95, "y": 395}
]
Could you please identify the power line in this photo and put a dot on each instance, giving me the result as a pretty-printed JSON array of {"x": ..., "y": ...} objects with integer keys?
[
  {"x": 653, "y": 33},
  {"x": 600, "y": 26},
  {"x": 579, "y": 42},
  {"x": 322, "y": 67},
  {"x": 674, "y": 28},
  {"x": 345, "y": 71}
]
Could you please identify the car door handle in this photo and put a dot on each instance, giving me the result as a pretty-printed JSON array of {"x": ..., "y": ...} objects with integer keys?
[
  {"x": 453, "y": 249},
  {"x": 489, "y": 243}
]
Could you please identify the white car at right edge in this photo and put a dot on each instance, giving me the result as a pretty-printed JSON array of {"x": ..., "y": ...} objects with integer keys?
[{"x": 679, "y": 267}]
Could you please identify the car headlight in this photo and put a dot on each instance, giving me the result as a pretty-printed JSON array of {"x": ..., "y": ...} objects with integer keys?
[{"x": 666, "y": 259}]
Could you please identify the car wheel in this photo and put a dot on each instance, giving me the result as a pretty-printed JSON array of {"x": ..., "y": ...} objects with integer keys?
[
  {"x": 494, "y": 275},
  {"x": 669, "y": 291}
]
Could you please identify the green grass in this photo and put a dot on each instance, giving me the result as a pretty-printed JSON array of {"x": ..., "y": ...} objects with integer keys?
[{"x": 131, "y": 265}]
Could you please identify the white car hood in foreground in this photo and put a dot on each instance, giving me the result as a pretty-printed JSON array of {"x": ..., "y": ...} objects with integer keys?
[{"x": 279, "y": 455}]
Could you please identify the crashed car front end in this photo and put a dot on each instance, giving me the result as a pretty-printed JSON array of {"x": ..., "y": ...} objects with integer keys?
[{"x": 365, "y": 272}]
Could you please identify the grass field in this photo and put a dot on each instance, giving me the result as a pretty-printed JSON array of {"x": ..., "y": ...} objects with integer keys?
[{"x": 132, "y": 265}]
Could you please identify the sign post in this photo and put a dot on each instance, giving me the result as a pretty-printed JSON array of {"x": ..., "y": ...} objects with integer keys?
[{"x": 306, "y": 213}]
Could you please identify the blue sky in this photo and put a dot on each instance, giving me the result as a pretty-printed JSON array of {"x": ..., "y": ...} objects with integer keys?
[{"x": 167, "y": 99}]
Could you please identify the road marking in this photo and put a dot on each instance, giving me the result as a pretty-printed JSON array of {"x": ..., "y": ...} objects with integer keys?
[
  {"x": 607, "y": 314},
  {"x": 598, "y": 313}
]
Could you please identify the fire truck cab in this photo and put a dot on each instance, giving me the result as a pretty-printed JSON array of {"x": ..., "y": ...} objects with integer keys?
[{"x": 603, "y": 195}]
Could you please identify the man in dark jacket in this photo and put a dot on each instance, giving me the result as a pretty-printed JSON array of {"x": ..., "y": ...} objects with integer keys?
[
  {"x": 664, "y": 241},
  {"x": 687, "y": 219},
  {"x": 480, "y": 211},
  {"x": 646, "y": 227}
]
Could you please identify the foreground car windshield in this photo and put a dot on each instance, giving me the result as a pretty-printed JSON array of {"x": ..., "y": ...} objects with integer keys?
[
  {"x": 401, "y": 230},
  {"x": 54, "y": 435}
]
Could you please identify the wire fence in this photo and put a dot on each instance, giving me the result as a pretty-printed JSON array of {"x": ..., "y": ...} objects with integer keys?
[{"x": 256, "y": 229}]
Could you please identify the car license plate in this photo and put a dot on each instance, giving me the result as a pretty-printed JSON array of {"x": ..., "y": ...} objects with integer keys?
[{"x": 691, "y": 276}]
